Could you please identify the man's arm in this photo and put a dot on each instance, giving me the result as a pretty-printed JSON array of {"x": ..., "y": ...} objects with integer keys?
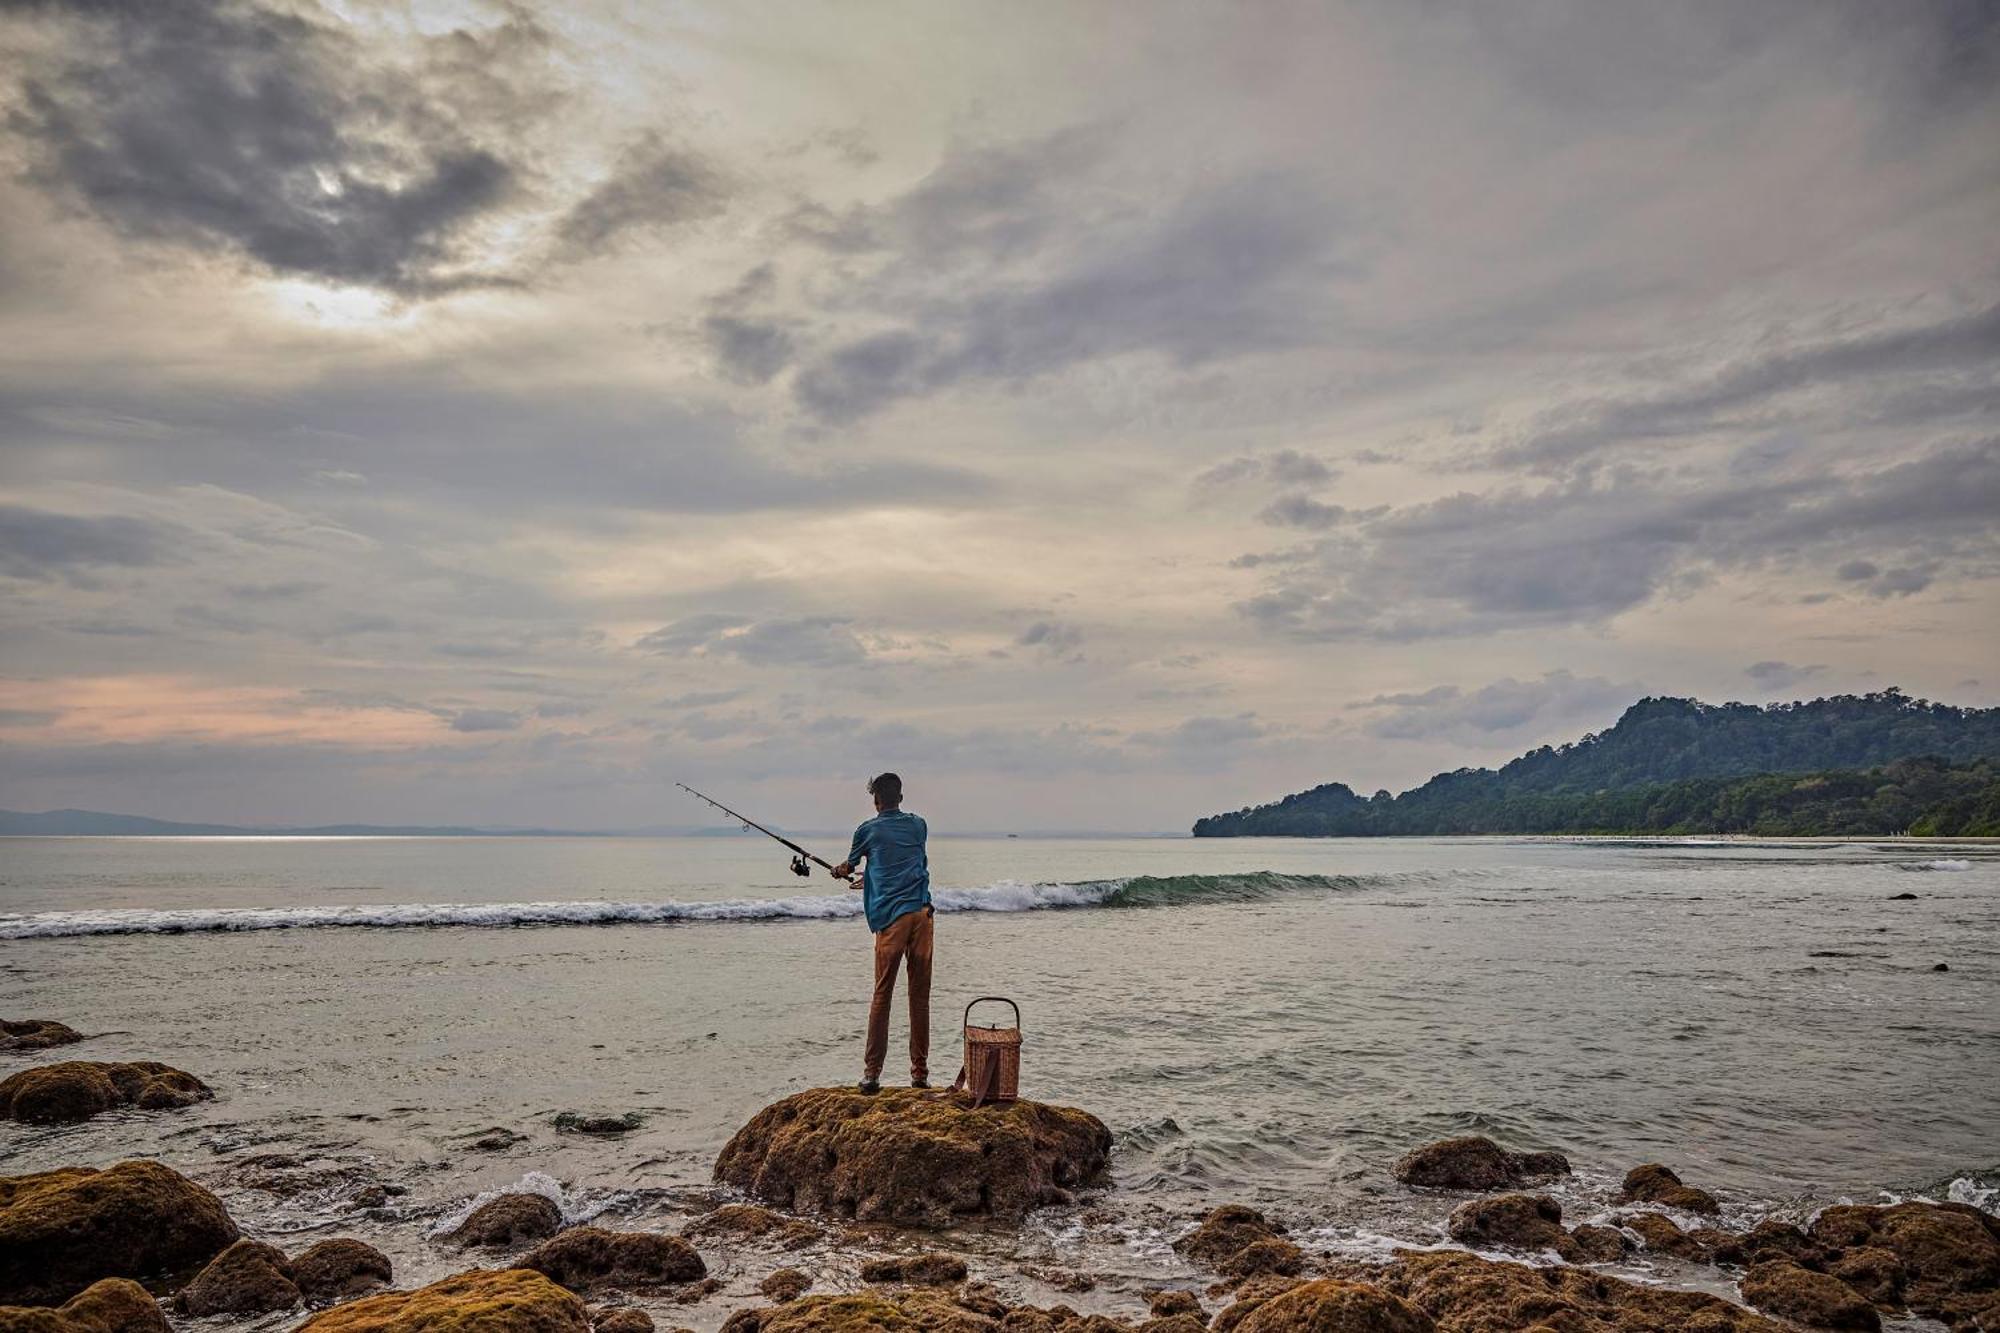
[{"x": 857, "y": 850}]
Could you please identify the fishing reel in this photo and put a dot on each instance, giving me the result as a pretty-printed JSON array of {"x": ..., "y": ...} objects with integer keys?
[{"x": 800, "y": 868}]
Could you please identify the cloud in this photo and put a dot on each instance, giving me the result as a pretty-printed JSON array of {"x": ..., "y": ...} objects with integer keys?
[
  {"x": 1492, "y": 711},
  {"x": 484, "y": 719},
  {"x": 1773, "y": 675},
  {"x": 1301, "y": 511},
  {"x": 1223, "y": 272},
  {"x": 1582, "y": 430},
  {"x": 39, "y": 544},
  {"x": 1287, "y": 467},
  {"x": 249, "y": 131},
  {"x": 1052, "y": 638},
  {"x": 654, "y": 184},
  {"x": 815, "y": 641},
  {"x": 1587, "y": 549}
]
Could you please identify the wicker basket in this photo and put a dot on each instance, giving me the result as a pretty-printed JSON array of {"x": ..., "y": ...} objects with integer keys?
[{"x": 992, "y": 1069}]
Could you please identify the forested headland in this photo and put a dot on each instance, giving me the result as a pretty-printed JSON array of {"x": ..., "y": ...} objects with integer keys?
[{"x": 1859, "y": 765}]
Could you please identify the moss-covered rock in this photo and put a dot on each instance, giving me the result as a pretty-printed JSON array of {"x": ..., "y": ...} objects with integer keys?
[
  {"x": 1817, "y": 1300},
  {"x": 748, "y": 1222},
  {"x": 625, "y": 1319},
  {"x": 928, "y": 1270},
  {"x": 35, "y": 1034},
  {"x": 787, "y": 1284},
  {"x": 587, "y": 1258},
  {"x": 503, "y": 1301},
  {"x": 249, "y": 1277},
  {"x": 115, "y": 1305},
  {"x": 1654, "y": 1183},
  {"x": 1512, "y": 1221},
  {"x": 79, "y": 1089},
  {"x": 1467, "y": 1294},
  {"x": 1474, "y": 1162},
  {"x": 1225, "y": 1230},
  {"x": 1949, "y": 1253},
  {"x": 1332, "y": 1306},
  {"x": 60, "y": 1231},
  {"x": 510, "y": 1220},
  {"x": 333, "y": 1270},
  {"x": 911, "y": 1156}
]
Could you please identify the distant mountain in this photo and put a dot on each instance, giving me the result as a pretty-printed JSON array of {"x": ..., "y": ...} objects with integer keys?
[
  {"x": 96, "y": 824},
  {"x": 1657, "y": 743}
]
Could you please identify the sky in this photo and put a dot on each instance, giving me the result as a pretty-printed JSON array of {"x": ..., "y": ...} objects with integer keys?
[{"x": 1103, "y": 414}]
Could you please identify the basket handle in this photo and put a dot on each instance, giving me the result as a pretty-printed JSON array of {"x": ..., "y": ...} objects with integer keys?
[{"x": 996, "y": 999}]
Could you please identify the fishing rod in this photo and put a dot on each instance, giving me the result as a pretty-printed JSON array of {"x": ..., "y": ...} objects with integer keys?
[{"x": 799, "y": 854}]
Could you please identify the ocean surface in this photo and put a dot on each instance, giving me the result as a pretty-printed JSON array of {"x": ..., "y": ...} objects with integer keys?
[{"x": 1259, "y": 1020}]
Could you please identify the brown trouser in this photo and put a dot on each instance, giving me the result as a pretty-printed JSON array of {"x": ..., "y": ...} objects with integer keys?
[{"x": 908, "y": 936}]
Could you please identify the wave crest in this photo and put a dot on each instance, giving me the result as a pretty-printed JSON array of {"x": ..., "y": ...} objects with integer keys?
[{"x": 1007, "y": 896}]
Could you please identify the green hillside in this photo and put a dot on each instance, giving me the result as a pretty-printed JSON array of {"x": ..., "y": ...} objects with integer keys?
[{"x": 1852, "y": 764}]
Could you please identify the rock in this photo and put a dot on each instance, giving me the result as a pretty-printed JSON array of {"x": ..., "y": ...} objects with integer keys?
[
  {"x": 249, "y": 1277},
  {"x": 598, "y": 1124},
  {"x": 1511, "y": 1221},
  {"x": 508, "y": 1221},
  {"x": 335, "y": 1269},
  {"x": 115, "y": 1305},
  {"x": 1062, "y": 1279},
  {"x": 1659, "y": 1234},
  {"x": 503, "y": 1301},
  {"x": 585, "y": 1258},
  {"x": 1164, "y": 1304},
  {"x": 1767, "y": 1240},
  {"x": 625, "y": 1319},
  {"x": 1474, "y": 1163},
  {"x": 1805, "y": 1297},
  {"x": 931, "y": 1270},
  {"x": 1261, "y": 1257},
  {"x": 1250, "y": 1296},
  {"x": 79, "y": 1089},
  {"x": 1224, "y": 1231},
  {"x": 35, "y": 1034},
  {"x": 60, "y": 1231},
  {"x": 693, "y": 1293},
  {"x": 1653, "y": 1183},
  {"x": 1174, "y": 1323},
  {"x": 1332, "y": 1306},
  {"x": 1902, "y": 897},
  {"x": 1874, "y": 1272},
  {"x": 496, "y": 1139},
  {"x": 859, "y": 1313},
  {"x": 1467, "y": 1294},
  {"x": 1942, "y": 967},
  {"x": 1598, "y": 1245},
  {"x": 787, "y": 1284},
  {"x": 748, "y": 1222},
  {"x": 1950, "y": 1253},
  {"x": 911, "y": 1157}
]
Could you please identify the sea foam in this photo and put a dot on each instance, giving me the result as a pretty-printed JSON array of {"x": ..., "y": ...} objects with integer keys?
[{"x": 1005, "y": 896}]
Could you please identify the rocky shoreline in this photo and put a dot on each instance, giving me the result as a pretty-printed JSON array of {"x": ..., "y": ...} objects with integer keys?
[{"x": 838, "y": 1213}]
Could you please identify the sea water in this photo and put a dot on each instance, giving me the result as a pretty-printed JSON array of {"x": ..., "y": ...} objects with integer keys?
[{"x": 1269, "y": 1021}]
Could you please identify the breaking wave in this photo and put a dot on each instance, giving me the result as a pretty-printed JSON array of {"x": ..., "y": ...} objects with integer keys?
[
  {"x": 1007, "y": 896},
  {"x": 1949, "y": 863}
]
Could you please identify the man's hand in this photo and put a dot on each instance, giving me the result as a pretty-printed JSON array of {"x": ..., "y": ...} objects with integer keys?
[{"x": 843, "y": 870}]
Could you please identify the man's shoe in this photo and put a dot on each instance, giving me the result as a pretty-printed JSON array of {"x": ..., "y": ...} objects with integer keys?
[
  {"x": 869, "y": 1087},
  {"x": 920, "y": 1083}
]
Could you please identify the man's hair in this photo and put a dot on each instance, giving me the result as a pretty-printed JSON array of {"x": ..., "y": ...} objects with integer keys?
[{"x": 886, "y": 788}]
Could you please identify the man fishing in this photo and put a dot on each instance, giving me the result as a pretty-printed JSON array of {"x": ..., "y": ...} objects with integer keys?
[{"x": 896, "y": 895}]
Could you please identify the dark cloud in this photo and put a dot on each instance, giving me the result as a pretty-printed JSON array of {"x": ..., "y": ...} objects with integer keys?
[
  {"x": 1009, "y": 263},
  {"x": 1301, "y": 511},
  {"x": 1287, "y": 467},
  {"x": 654, "y": 184},
  {"x": 231, "y": 127},
  {"x": 38, "y": 544},
  {"x": 1580, "y": 430},
  {"x": 1506, "y": 705},
  {"x": 1774, "y": 675},
  {"x": 813, "y": 641},
  {"x": 1584, "y": 550},
  {"x": 484, "y": 719}
]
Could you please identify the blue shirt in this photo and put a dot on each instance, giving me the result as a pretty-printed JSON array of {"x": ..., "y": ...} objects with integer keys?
[{"x": 898, "y": 878}]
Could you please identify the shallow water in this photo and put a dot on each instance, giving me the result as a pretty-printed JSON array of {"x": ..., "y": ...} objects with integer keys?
[{"x": 1270, "y": 1021}]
